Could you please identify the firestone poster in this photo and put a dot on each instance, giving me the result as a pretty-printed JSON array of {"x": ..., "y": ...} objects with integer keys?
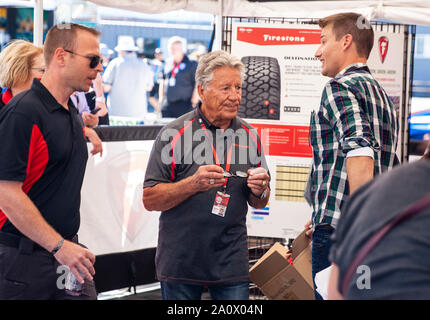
[{"x": 282, "y": 68}]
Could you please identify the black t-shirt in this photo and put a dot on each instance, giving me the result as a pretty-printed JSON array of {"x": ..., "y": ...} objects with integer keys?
[
  {"x": 194, "y": 245},
  {"x": 43, "y": 146},
  {"x": 399, "y": 264}
]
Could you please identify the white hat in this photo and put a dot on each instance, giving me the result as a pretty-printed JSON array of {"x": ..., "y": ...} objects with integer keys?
[
  {"x": 104, "y": 50},
  {"x": 126, "y": 43},
  {"x": 175, "y": 39}
]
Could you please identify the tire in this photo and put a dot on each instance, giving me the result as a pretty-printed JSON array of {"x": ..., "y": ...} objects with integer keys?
[{"x": 261, "y": 88}]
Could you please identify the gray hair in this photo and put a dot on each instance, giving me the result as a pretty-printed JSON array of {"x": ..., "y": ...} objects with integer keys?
[{"x": 213, "y": 60}]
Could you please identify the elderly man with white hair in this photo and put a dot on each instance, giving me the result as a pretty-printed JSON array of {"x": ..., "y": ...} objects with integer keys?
[
  {"x": 178, "y": 92},
  {"x": 204, "y": 170}
]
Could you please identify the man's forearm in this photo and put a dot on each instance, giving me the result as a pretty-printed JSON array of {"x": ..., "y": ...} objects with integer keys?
[
  {"x": 165, "y": 196},
  {"x": 25, "y": 216},
  {"x": 359, "y": 170}
]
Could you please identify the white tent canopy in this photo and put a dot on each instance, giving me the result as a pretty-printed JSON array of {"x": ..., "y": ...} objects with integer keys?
[{"x": 401, "y": 11}]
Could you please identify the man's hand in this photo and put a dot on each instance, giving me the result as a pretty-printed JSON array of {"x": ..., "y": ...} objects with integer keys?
[
  {"x": 95, "y": 141},
  {"x": 79, "y": 260},
  {"x": 89, "y": 119},
  {"x": 207, "y": 177},
  {"x": 165, "y": 196},
  {"x": 308, "y": 227},
  {"x": 258, "y": 180}
]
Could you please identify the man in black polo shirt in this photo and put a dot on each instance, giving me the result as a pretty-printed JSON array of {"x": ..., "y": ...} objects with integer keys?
[
  {"x": 204, "y": 170},
  {"x": 178, "y": 92},
  {"x": 42, "y": 167}
]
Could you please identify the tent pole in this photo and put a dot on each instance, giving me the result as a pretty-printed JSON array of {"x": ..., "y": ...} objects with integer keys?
[
  {"x": 38, "y": 23},
  {"x": 218, "y": 27}
]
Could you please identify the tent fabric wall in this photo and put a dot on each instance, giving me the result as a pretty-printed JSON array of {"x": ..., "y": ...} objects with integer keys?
[{"x": 399, "y": 11}]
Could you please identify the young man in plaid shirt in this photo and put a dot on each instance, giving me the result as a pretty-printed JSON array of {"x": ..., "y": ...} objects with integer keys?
[{"x": 354, "y": 132}]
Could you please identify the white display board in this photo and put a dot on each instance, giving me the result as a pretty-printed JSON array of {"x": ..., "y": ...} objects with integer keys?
[
  {"x": 285, "y": 141},
  {"x": 113, "y": 218}
]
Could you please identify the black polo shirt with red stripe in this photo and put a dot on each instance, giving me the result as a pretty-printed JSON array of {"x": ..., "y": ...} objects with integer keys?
[
  {"x": 43, "y": 146},
  {"x": 194, "y": 245}
]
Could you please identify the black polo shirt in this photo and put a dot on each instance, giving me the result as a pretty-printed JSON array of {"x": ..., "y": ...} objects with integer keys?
[
  {"x": 184, "y": 81},
  {"x": 194, "y": 245},
  {"x": 43, "y": 146}
]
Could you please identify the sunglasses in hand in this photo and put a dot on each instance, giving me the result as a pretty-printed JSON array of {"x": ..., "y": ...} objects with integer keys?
[
  {"x": 239, "y": 174},
  {"x": 94, "y": 60}
]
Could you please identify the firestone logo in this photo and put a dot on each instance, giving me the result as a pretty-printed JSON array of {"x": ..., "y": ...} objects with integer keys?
[
  {"x": 383, "y": 47},
  {"x": 287, "y": 38}
]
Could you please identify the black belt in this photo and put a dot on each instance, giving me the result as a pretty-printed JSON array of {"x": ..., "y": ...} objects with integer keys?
[{"x": 24, "y": 244}]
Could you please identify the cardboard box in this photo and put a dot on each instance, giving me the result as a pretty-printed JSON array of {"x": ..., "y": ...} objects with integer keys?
[{"x": 278, "y": 279}]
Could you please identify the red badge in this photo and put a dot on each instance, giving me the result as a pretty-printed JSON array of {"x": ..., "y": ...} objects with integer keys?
[
  {"x": 383, "y": 47},
  {"x": 220, "y": 204}
]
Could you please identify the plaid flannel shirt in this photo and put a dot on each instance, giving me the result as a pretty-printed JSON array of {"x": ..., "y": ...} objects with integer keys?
[{"x": 355, "y": 112}]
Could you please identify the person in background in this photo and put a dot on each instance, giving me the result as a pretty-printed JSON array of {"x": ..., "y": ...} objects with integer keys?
[
  {"x": 42, "y": 167},
  {"x": 157, "y": 66},
  {"x": 354, "y": 132},
  {"x": 106, "y": 54},
  {"x": 202, "y": 234},
  {"x": 178, "y": 91},
  {"x": 127, "y": 79},
  {"x": 20, "y": 63},
  {"x": 197, "y": 53},
  {"x": 82, "y": 102}
]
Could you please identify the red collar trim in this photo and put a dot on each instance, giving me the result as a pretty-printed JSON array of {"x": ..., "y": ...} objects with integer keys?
[{"x": 7, "y": 95}]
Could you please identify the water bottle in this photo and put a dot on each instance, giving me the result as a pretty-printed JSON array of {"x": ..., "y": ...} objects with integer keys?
[{"x": 73, "y": 287}]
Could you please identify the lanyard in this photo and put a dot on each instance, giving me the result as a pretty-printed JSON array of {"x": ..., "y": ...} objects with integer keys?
[
  {"x": 227, "y": 165},
  {"x": 175, "y": 69}
]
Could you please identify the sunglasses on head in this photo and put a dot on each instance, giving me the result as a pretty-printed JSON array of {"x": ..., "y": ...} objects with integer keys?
[{"x": 94, "y": 60}]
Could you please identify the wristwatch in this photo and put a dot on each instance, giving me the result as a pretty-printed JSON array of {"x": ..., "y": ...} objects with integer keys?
[
  {"x": 261, "y": 196},
  {"x": 101, "y": 99}
]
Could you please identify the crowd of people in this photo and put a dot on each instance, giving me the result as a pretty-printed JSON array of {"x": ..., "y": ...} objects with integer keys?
[
  {"x": 203, "y": 188},
  {"x": 134, "y": 85}
]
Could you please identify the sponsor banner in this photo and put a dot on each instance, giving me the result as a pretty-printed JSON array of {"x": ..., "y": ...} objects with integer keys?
[
  {"x": 286, "y": 141},
  {"x": 385, "y": 63},
  {"x": 113, "y": 218}
]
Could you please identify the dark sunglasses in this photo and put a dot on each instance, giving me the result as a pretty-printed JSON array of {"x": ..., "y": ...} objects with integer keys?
[{"x": 94, "y": 60}]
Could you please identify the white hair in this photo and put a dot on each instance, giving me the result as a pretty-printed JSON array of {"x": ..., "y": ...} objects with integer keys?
[
  {"x": 176, "y": 39},
  {"x": 213, "y": 60}
]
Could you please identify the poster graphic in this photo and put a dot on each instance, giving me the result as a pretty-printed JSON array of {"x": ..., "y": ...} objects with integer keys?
[{"x": 283, "y": 77}]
